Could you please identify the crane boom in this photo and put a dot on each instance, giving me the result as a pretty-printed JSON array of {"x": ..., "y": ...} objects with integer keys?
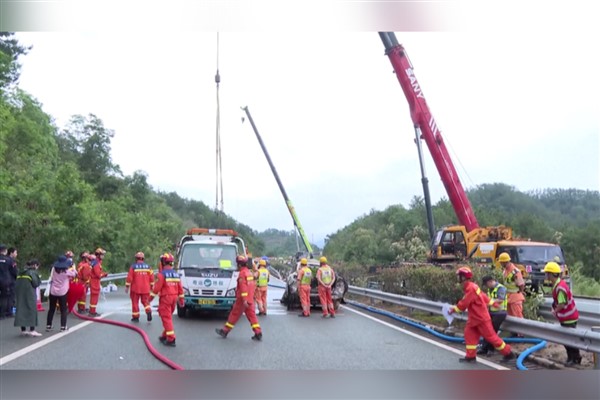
[
  {"x": 424, "y": 121},
  {"x": 288, "y": 202}
]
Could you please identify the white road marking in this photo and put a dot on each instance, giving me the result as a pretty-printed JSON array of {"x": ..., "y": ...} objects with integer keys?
[
  {"x": 431, "y": 341},
  {"x": 42, "y": 343}
]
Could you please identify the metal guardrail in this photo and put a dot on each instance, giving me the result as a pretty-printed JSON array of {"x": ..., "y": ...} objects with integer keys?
[
  {"x": 587, "y": 319},
  {"x": 584, "y": 339},
  {"x": 109, "y": 278}
]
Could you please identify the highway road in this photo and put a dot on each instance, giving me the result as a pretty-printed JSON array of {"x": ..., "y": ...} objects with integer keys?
[{"x": 353, "y": 341}]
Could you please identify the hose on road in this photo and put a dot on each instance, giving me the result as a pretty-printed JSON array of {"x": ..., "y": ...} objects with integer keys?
[
  {"x": 539, "y": 344},
  {"x": 151, "y": 348}
]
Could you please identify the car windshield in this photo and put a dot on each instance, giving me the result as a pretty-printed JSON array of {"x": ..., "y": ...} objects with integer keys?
[
  {"x": 205, "y": 255},
  {"x": 539, "y": 254}
]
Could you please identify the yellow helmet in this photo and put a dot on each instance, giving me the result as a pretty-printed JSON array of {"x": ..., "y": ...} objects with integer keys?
[
  {"x": 262, "y": 262},
  {"x": 504, "y": 257},
  {"x": 552, "y": 268},
  {"x": 323, "y": 260},
  {"x": 304, "y": 261}
]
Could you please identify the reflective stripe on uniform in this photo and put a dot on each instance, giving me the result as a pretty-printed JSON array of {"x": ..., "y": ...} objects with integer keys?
[
  {"x": 229, "y": 325},
  {"x": 502, "y": 346},
  {"x": 471, "y": 347},
  {"x": 255, "y": 326}
]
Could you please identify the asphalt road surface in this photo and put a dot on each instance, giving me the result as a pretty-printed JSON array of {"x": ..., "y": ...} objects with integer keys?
[{"x": 352, "y": 341}]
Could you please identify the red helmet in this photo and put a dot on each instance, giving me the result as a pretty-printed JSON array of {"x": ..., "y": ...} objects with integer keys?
[
  {"x": 241, "y": 260},
  {"x": 139, "y": 255},
  {"x": 69, "y": 254},
  {"x": 167, "y": 258},
  {"x": 465, "y": 271}
]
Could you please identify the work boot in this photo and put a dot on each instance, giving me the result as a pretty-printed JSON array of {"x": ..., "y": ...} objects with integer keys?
[
  {"x": 221, "y": 333},
  {"x": 467, "y": 359},
  {"x": 135, "y": 319},
  {"x": 331, "y": 315},
  {"x": 324, "y": 315},
  {"x": 149, "y": 316},
  {"x": 162, "y": 339},
  {"x": 257, "y": 336},
  {"x": 170, "y": 343},
  {"x": 509, "y": 356},
  {"x": 94, "y": 314},
  {"x": 482, "y": 352},
  {"x": 303, "y": 315}
]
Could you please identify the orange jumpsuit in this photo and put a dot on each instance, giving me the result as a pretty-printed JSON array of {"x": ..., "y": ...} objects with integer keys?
[
  {"x": 140, "y": 280},
  {"x": 513, "y": 279},
  {"x": 95, "y": 285},
  {"x": 168, "y": 287},
  {"x": 304, "y": 279},
  {"x": 326, "y": 277},
  {"x": 84, "y": 274},
  {"x": 479, "y": 322},
  {"x": 262, "y": 283},
  {"x": 243, "y": 293}
]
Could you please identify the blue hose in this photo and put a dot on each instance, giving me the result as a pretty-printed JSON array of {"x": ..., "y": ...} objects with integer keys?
[{"x": 539, "y": 344}]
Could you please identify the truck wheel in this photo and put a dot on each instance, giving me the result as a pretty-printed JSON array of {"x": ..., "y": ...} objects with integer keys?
[
  {"x": 336, "y": 304},
  {"x": 181, "y": 311}
]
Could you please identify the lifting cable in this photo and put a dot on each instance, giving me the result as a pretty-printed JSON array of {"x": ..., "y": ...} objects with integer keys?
[
  {"x": 539, "y": 343},
  {"x": 151, "y": 349},
  {"x": 219, "y": 168}
]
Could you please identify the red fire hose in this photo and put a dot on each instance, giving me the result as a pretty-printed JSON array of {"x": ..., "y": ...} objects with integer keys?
[{"x": 151, "y": 348}]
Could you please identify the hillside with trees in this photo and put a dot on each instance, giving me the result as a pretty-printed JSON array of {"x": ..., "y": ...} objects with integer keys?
[
  {"x": 61, "y": 190},
  {"x": 569, "y": 217},
  {"x": 279, "y": 243}
]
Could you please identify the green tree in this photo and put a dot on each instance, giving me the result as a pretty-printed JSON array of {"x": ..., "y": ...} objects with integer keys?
[{"x": 10, "y": 51}]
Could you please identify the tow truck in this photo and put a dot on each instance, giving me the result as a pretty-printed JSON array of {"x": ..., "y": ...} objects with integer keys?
[{"x": 207, "y": 267}]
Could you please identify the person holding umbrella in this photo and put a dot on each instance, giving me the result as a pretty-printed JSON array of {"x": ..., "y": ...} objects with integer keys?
[{"x": 60, "y": 277}]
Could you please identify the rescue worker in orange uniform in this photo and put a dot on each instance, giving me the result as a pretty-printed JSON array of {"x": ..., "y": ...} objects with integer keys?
[
  {"x": 325, "y": 277},
  {"x": 262, "y": 283},
  {"x": 84, "y": 274},
  {"x": 244, "y": 301},
  {"x": 161, "y": 262},
  {"x": 305, "y": 276},
  {"x": 170, "y": 291},
  {"x": 140, "y": 279},
  {"x": 479, "y": 322},
  {"x": 515, "y": 286},
  {"x": 563, "y": 307},
  {"x": 95, "y": 285}
]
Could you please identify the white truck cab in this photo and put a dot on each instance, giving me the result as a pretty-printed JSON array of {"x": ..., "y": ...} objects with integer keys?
[{"x": 207, "y": 267}]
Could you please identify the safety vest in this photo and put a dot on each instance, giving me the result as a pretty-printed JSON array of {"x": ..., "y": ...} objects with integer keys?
[
  {"x": 326, "y": 274},
  {"x": 493, "y": 294},
  {"x": 509, "y": 279},
  {"x": 307, "y": 277},
  {"x": 263, "y": 277},
  {"x": 569, "y": 313}
]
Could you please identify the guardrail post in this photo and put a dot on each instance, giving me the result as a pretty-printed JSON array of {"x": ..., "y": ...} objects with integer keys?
[{"x": 596, "y": 355}]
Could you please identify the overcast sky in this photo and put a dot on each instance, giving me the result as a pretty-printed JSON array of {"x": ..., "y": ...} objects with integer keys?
[{"x": 518, "y": 106}]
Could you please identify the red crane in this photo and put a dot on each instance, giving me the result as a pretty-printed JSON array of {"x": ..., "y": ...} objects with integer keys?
[{"x": 425, "y": 123}]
